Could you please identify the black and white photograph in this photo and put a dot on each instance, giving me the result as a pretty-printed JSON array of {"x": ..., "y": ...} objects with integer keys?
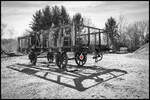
[{"x": 74, "y": 49}]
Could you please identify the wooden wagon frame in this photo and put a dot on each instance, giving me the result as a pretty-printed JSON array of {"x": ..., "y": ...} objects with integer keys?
[{"x": 34, "y": 44}]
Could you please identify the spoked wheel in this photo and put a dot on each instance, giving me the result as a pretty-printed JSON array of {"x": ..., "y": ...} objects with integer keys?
[
  {"x": 80, "y": 58},
  {"x": 50, "y": 57},
  {"x": 99, "y": 56},
  {"x": 33, "y": 58},
  {"x": 61, "y": 60}
]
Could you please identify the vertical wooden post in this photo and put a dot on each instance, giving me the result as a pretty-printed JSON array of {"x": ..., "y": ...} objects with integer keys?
[
  {"x": 19, "y": 44},
  {"x": 75, "y": 34},
  {"x": 95, "y": 39},
  {"x": 99, "y": 39},
  {"x": 49, "y": 39},
  {"x": 107, "y": 39},
  {"x": 25, "y": 42},
  {"x": 95, "y": 42},
  {"x": 41, "y": 36},
  {"x": 28, "y": 41},
  {"x": 72, "y": 35},
  {"x": 62, "y": 37},
  {"x": 22, "y": 43},
  {"x": 88, "y": 36},
  {"x": 42, "y": 40},
  {"x": 35, "y": 39}
]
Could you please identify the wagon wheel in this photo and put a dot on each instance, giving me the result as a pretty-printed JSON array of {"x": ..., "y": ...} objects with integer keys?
[
  {"x": 33, "y": 58},
  {"x": 50, "y": 57},
  {"x": 61, "y": 60},
  {"x": 99, "y": 57},
  {"x": 80, "y": 58}
]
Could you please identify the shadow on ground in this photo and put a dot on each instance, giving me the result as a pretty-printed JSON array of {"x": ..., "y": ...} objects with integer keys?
[{"x": 78, "y": 75}]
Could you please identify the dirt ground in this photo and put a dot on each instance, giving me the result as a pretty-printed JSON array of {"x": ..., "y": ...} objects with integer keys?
[{"x": 116, "y": 76}]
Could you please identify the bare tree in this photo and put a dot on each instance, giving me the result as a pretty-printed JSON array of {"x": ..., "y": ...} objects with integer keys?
[
  {"x": 3, "y": 27},
  {"x": 143, "y": 28},
  {"x": 135, "y": 34},
  {"x": 122, "y": 24}
]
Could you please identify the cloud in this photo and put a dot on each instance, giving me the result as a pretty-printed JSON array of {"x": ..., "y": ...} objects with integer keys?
[
  {"x": 24, "y": 3},
  {"x": 18, "y": 14}
]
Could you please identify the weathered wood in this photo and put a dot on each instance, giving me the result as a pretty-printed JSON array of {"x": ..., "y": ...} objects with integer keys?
[
  {"x": 75, "y": 35},
  {"x": 90, "y": 33},
  {"x": 88, "y": 36},
  {"x": 99, "y": 39},
  {"x": 92, "y": 27},
  {"x": 47, "y": 42},
  {"x": 18, "y": 46},
  {"x": 95, "y": 38}
]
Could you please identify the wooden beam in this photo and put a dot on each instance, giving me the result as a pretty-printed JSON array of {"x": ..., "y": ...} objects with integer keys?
[
  {"x": 92, "y": 27},
  {"x": 75, "y": 34},
  {"x": 95, "y": 38},
  {"x": 88, "y": 36},
  {"x": 99, "y": 39},
  {"x": 93, "y": 33},
  {"x": 19, "y": 44}
]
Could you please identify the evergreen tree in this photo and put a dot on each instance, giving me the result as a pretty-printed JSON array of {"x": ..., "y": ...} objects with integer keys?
[
  {"x": 65, "y": 19},
  {"x": 78, "y": 20},
  {"x": 47, "y": 18},
  {"x": 43, "y": 20},
  {"x": 37, "y": 24},
  {"x": 56, "y": 16},
  {"x": 111, "y": 28}
]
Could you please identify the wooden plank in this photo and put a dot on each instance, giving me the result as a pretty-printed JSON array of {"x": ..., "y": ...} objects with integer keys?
[
  {"x": 95, "y": 38},
  {"x": 75, "y": 35},
  {"x": 99, "y": 39},
  {"x": 92, "y": 27},
  {"x": 93, "y": 33},
  {"x": 88, "y": 36},
  {"x": 18, "y": 46}
]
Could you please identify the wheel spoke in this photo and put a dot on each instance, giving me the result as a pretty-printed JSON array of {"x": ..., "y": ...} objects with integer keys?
[
  {"x": 79, "y": 62},
  {"x": 82, "y": 62}
]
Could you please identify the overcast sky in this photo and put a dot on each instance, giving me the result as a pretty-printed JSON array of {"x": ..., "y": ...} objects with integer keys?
[{"x": 18, "y": 14}]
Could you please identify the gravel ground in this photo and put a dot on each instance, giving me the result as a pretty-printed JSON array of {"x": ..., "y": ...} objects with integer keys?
[{"x": 116, "y": 76}]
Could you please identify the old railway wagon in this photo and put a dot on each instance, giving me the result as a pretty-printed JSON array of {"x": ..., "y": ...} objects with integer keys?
[{"x": 57, "y": 41}]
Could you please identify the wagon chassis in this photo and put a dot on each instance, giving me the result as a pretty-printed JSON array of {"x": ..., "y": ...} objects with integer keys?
[{"x": 80, "y": 50}]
